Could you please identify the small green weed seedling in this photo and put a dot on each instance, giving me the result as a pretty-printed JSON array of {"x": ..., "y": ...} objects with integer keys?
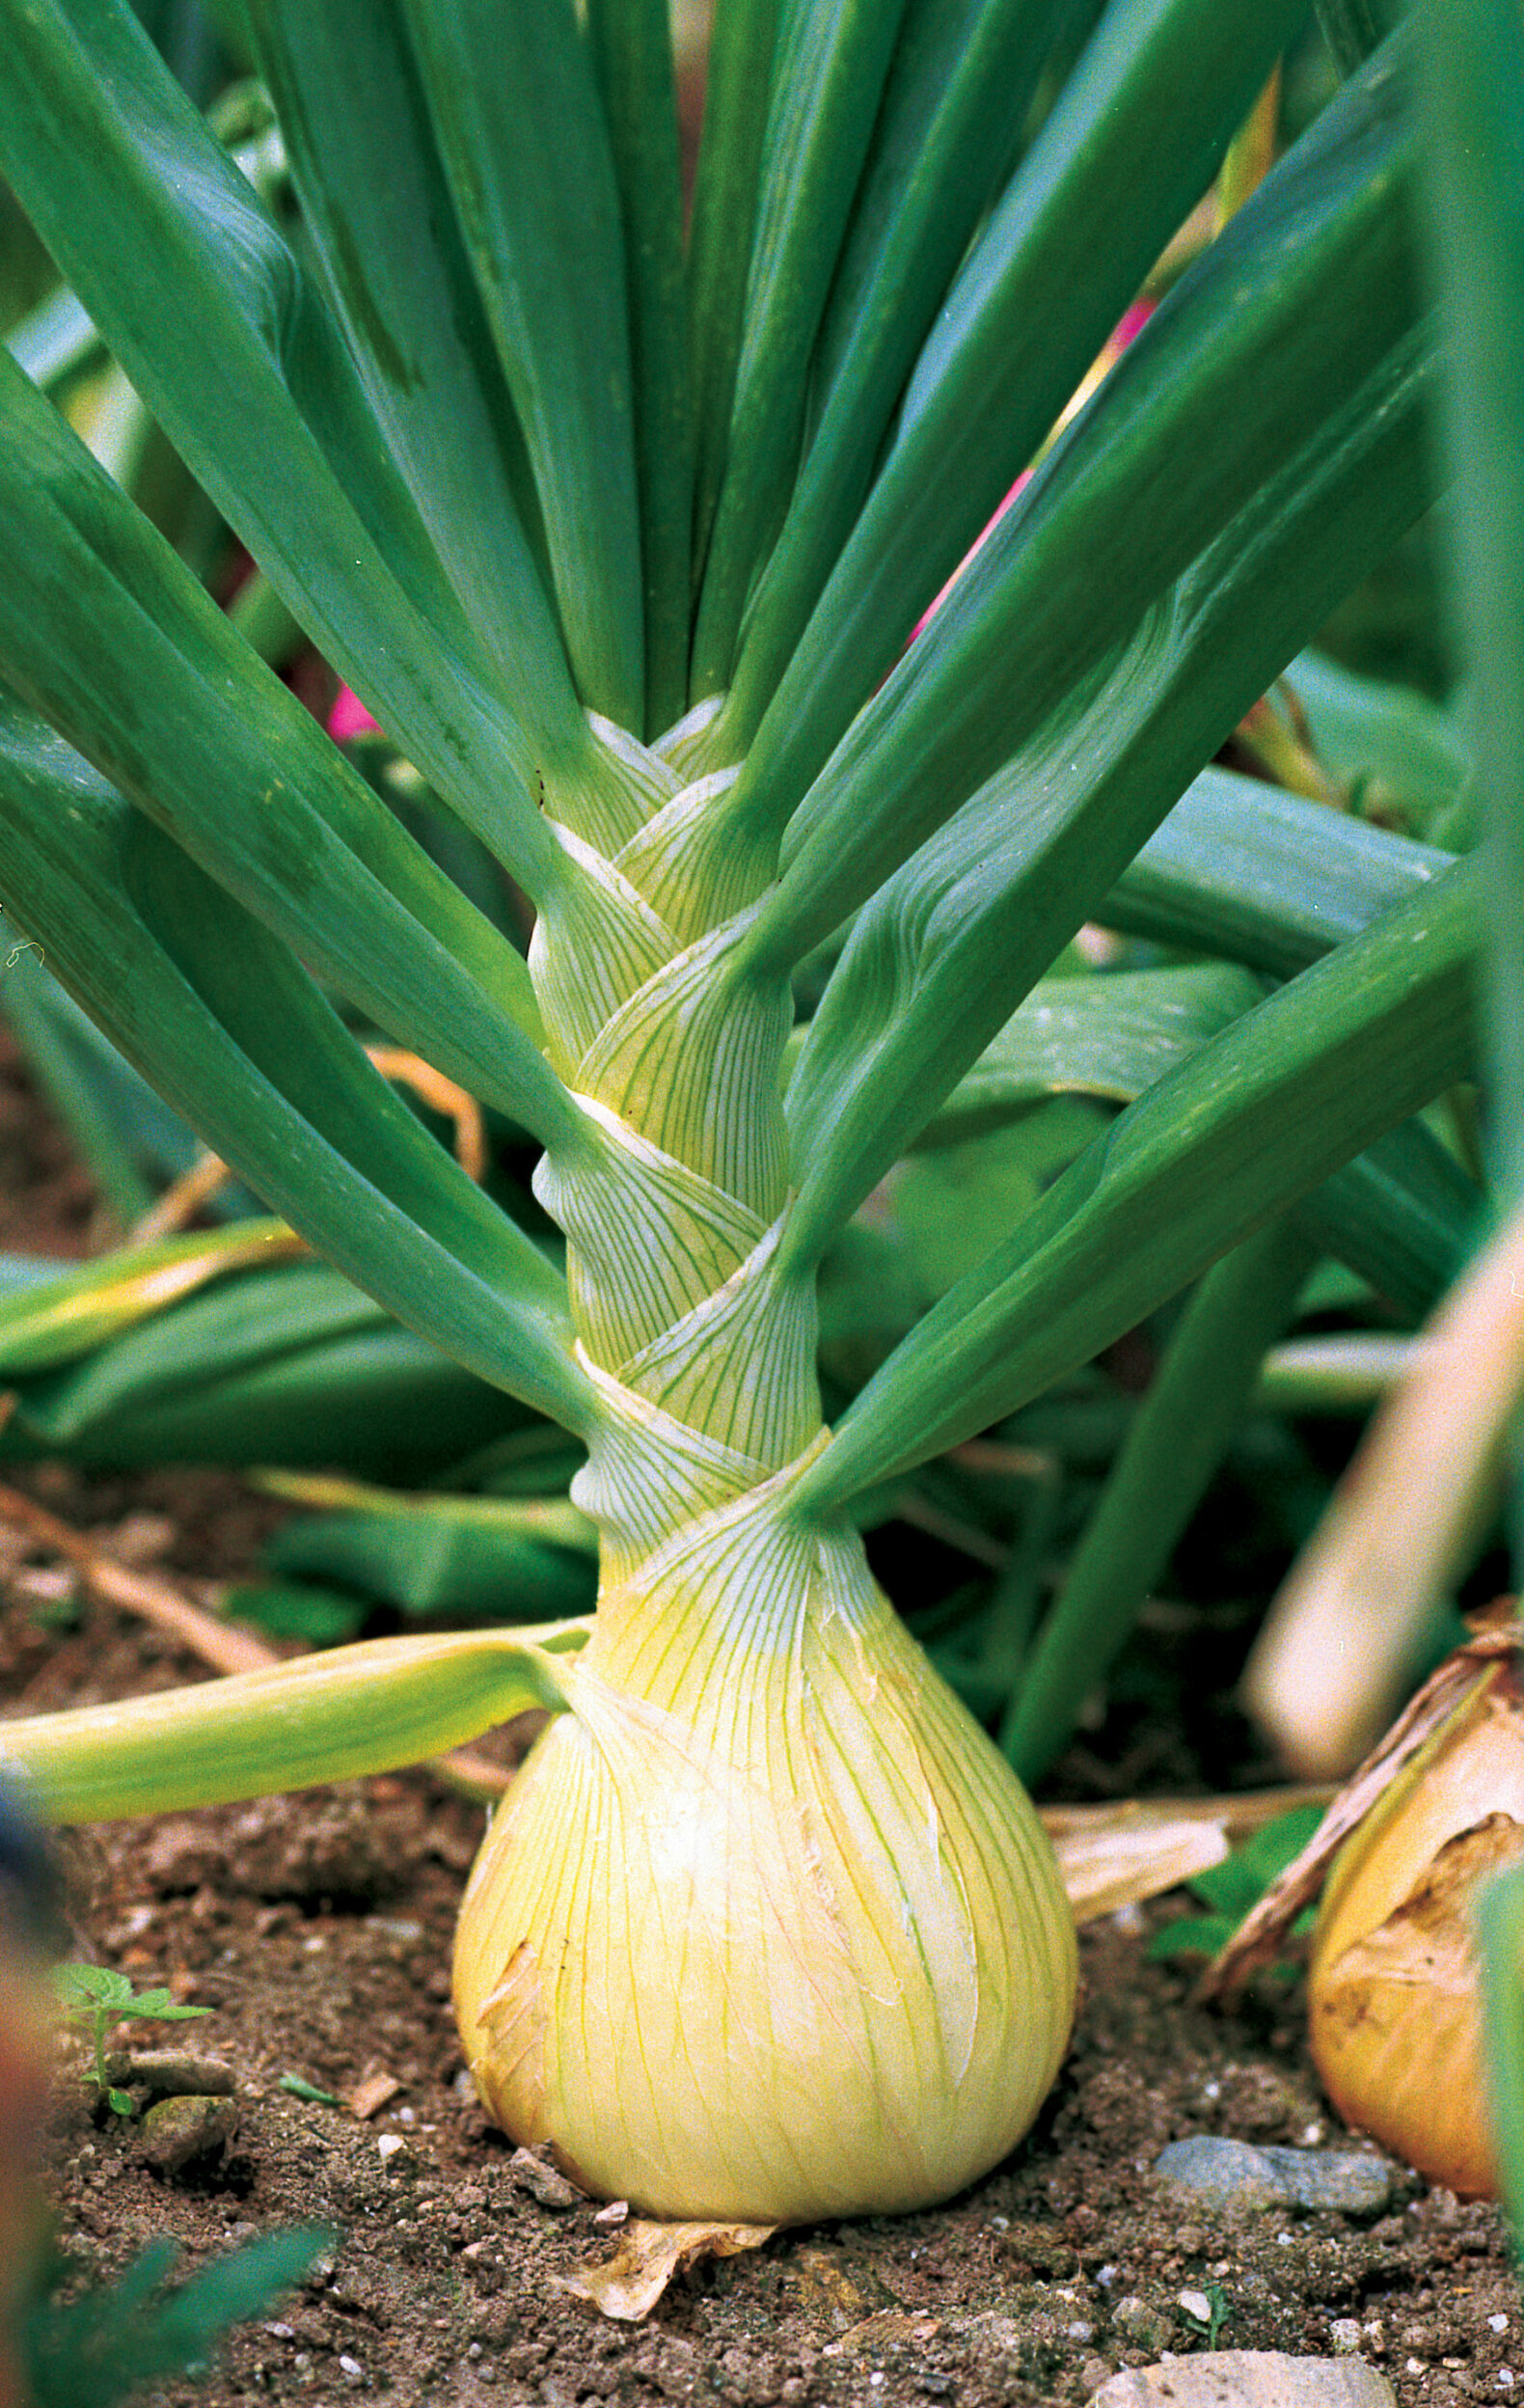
[
  {"x": 298, "y": 2088},
  {"x": 93, "y": 1997},
  {"x": 1230, "y": 1889},
  {"x": 1206, "y": 2328},
  {"x": 109, "y": 2345}
]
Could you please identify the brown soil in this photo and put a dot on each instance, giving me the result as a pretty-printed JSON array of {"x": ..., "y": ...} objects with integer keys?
[{"x": 318, "y": 1929}]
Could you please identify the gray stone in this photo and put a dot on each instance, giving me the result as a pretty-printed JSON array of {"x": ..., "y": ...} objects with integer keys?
[
  {"x": 1235, "y": 2174},
  {"x": 179, "y": 2130},
  {"x": 1248, "y": 2378},
  {"x": 172, "y": 2073},
  {"x": 542, "y": 2182}
]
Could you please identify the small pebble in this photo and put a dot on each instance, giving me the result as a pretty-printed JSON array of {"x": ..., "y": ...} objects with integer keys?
[
  {"x": 369, "y": 2097},
  {"x": 172, "y": 2073},
  {"x": 1196, "y": 2304},
  {"x": 617, "y": 2211},
  {"x": 1234, "y": 2174},
  {"x": 44, "y": 1585},
  {"x": 1247, "y": 2378},
  {"x": 179, "y": 2130},
  {"x": 141, "y": 1537},
  {"x": 1345, "y": 2335},
  {"x": 1132, "y": 2311},
  {"x": 1497, "y": 2324},
  {"x": 540, "y": 2181},
  {"x": 390, "y": 2145}
]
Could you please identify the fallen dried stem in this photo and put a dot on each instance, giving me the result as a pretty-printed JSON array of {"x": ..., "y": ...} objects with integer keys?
[{"x": 227, "y": 1647}]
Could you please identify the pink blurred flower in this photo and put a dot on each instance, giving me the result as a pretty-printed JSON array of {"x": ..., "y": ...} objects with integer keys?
[
  {"x": 1130, "y": 324},
  {"x": 349, "y": 716},
  {"x": 975, "y": 548}
]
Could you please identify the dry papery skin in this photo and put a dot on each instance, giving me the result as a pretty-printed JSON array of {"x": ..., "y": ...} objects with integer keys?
[
  {"x": 1393, "y": 1984},
  {"x": 1392, "y": 1988}
]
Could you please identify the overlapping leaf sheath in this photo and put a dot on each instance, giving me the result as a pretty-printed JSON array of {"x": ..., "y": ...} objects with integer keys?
[
  {"x": 705, "y": 1360},
  {"x": 766, "y": 1928}
]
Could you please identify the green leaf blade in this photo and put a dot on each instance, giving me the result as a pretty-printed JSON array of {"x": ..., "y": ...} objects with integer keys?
[
  {"x": 1475, "y": 58},
  {"x": 541, "y": 227},
  {"x": 206, "y": 309},
  {"x": 1279, "y": 323},
  {"x": 115, "y": 643},
  {"x": 1110, "y": 1035},
  {"x": 374, "y": 200},
  {"x": 1135, "y": 141},
  {"x": 959, "y": 88},
  {"x": 943, "y": 952},
  {"x": 58, "y": 1320},
  {"x": 1243, "y": 1130},
  {"x": 631, "y": 47},
  {"x": 1267, "y": 878},
  {"x": 235, "y": 1034},
  {"x": 832, "y": 59},
  {"x": 1176, "y": 1443},
  {"x": 739, "y": 78},
  {"x": 370, "y": 1708}
]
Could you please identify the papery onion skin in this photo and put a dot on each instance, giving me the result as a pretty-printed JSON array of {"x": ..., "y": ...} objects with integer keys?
[
  {"x": 797, "y": 1949},
  {"x": 1392, "y": 1986}
]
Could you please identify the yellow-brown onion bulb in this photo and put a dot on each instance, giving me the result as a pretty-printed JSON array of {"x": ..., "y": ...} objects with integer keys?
[
  {"x": 1392, "y": 1987},
  {"x": 766, "y": 1930}
]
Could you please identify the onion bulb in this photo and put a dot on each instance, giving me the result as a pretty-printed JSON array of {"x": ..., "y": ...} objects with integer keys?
[
  {"x": 1392, "y": 1987},
  {"x": 766, "y": 1928}
]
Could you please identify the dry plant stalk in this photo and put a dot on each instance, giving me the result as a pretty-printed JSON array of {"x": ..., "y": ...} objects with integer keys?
[
  {"x": 185, "y": 1196},
  {"x": 1120, "y": 1854},
  {"x": 1328, "y": 1666},
  {"x": 226, "y": 1647}
]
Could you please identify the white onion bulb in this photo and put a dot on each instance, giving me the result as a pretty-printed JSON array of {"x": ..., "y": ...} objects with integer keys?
[{"x": 766, "y": 1930}]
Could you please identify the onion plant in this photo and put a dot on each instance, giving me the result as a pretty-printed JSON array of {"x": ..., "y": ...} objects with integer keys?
[{"x": 623, "y": 539}]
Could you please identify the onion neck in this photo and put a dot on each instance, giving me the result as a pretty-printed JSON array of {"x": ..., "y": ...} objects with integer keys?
[{"x": 702, "y": 1350}]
